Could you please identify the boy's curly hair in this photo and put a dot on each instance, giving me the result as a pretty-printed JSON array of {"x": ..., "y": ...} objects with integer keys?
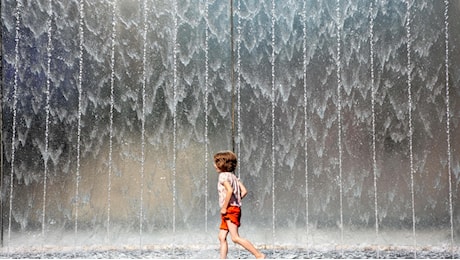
[{"x": 226, "y": 161}]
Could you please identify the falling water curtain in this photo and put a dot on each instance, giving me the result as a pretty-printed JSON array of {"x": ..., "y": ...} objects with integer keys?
[{"x": 292, "y": 78}]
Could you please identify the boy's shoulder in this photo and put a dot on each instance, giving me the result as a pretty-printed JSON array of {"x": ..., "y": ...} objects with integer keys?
[{"x": 226, "y": 175}]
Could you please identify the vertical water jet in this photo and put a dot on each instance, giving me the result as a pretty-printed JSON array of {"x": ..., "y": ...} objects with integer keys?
[
  {"x": 411, "y": 131},
  {"x": 79, "y": 87},
  {"x": 305, "y": 100},
  {"x": 339, "y": 115},
  {"x": 238, "y": 87},
  {"x": 144, "y": 79},
  {"x": 206, "y": 114},
  {"x": 174, "y": 162},
  {"x": 15, "y": 102},
  {"x": 47, "y": 112},
  {"x": 449, "y": 162},
  {"x": 374, "y": 158},
  {"x": 232, "y": 76},
  {"x": 112, "y": 103},
  {"x": 273, "y": 100}
]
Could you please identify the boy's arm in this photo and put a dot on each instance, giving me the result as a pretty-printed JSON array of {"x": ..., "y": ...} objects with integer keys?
[
  {"x": 243, "y": 189},
  {"x": 228, "y": 196}
]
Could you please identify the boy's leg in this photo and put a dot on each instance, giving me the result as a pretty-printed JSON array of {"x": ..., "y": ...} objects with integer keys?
[
  {"x": 233, "y": 229},
  {"x": 223, "y": 243}
]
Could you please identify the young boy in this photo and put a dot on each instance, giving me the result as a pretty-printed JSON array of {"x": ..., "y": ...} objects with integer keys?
[{"x": 231, "y": 192}]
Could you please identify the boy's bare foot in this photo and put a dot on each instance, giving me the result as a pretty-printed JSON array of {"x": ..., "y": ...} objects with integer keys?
[{"x": 261, "y": 256}]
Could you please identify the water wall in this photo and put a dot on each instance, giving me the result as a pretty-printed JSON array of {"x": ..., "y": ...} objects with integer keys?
[{"x": 344, "y": 115}]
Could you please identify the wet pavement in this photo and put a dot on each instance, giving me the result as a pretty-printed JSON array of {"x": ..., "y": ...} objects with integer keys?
[{"x": 197, "y": 253}]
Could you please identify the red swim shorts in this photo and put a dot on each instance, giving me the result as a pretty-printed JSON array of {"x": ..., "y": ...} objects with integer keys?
[{"x": 233, "y": 214}]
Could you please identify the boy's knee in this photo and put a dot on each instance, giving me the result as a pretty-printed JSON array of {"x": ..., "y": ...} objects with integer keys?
[
  {"x": 222, "y": 238},
  {"x": 236, "y": 239}
]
